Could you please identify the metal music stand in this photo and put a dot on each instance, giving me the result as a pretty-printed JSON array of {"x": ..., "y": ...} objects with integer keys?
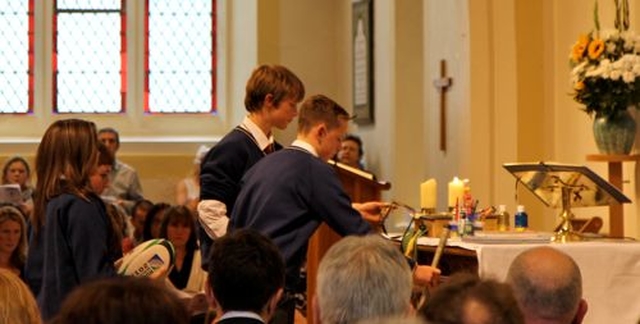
[{"x": 566, "y": 186}]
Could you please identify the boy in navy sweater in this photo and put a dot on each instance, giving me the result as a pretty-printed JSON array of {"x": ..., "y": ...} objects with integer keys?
[
  {"x": 272, "y": 96},
  {"x": 288, "y": 194}
]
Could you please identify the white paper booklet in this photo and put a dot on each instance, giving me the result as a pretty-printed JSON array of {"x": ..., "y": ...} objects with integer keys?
[{"x": 11, "y": 193}]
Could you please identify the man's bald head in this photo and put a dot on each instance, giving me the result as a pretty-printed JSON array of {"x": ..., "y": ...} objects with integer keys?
[{"x": 548, "y": 285}]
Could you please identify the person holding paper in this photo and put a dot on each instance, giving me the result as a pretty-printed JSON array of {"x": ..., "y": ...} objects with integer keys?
[{"x": 17, "y": 171}]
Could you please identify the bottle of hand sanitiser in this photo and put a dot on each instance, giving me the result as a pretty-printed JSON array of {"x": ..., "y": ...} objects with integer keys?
[{"x": 521, "y": 219}]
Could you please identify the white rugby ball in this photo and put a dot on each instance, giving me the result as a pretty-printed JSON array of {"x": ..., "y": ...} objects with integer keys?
[{"x": 148, "y": 258}]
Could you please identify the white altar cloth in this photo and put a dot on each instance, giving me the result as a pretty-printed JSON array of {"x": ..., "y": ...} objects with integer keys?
[{"x": 610, "y": 273}]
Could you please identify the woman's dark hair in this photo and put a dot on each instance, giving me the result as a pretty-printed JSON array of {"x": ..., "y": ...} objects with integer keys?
[
  {"x": 142, "y": 203},
  {"x": 180, "y": 215},
  {"x": 148, "y": 222}
]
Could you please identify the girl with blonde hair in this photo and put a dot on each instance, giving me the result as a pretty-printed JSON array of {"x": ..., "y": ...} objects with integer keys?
[{"x": 18, "y": 304}]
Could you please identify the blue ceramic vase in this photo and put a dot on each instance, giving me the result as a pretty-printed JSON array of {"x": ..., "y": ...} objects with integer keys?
[{"x": 614, "y": 134}]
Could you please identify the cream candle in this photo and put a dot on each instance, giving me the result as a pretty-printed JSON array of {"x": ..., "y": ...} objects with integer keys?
[
  {"x": 428, "y": 192},
  {"x": 456, "y": 191}
]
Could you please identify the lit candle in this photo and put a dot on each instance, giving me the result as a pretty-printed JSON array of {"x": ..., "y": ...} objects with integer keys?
[
  {"x": 456, "y": 191},
  {"x": 428, "y": 190}
]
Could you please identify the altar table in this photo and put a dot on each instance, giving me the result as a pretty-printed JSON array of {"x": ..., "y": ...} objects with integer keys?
[{"x": 610, "y": 270}]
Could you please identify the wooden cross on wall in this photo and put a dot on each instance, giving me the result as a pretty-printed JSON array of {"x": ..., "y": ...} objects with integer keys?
[{"x": 442, "y": 84}]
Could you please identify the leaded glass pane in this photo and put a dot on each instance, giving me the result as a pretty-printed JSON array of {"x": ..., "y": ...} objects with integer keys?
[
  {"x": 88, "y": 42},
  {"x": 88, "y": 4},
  {"x": 180, "y": 56},
  {"x": 14, "y": 56}
]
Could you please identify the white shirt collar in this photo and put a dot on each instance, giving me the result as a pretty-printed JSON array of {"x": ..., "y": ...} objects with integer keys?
[
  {"x": 232, "y": 314},
  {"x": 257, "y": 133},
  {"x": 305, "y": 146}
]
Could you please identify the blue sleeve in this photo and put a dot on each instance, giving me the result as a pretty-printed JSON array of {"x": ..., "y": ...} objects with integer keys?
[
  {"x": 221, "y": 172},
  {"x": 88, "y": 235},
  {"x": 332, "y": 203}
]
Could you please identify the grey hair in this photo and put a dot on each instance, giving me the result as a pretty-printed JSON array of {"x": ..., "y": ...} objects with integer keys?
[{"x": 362, "y": 278}]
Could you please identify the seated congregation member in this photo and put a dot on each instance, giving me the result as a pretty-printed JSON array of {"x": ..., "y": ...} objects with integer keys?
[
  {"x": 246, "y": 277},
  {"x": 363, "y": 278},
  {"x": 69, "y": 240},
  {"x": 188, "y": 189},
  {"x": 17, "y": 171},
  {"x": 138, "y": 216},
  {"x": 13, "y": 239},
  {"x": 17, "y": 305},
  {"x": 351, "y": 152},
  {"x": 99, "y": 181},
  {"x": 122, "y": 300},
  {"x": 289, "y": 193},
  {"x": 271, "y": 101},
  {"x": 124, "y": 188},
  {"x": 395, "y": 320},
  {"x": 178, "y": 226},
  {"x": 548, "y": 286},
  {"x": 467, "y": 299},
  {"x": 153, "y": 222}
]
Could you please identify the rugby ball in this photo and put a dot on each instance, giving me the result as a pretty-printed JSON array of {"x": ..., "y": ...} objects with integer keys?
[{"x": 148, "y": 258}]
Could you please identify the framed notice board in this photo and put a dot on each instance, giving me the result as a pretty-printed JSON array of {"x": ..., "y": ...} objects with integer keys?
[{"x": 362, "y": 40}]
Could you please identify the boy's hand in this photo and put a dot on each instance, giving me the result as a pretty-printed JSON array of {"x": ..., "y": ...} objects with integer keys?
[{"x": 370, "y": 211}]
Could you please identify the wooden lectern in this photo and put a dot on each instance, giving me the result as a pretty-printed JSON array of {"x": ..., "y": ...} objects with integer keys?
[{"x": 361, "y": 187}]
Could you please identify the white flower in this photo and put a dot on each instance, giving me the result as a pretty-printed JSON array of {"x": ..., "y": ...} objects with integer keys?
[
  {"x": 615, "y": 75},
  {"x": 628, "y": 77},
  {"x": 618, "y": 65},
  {"x": 629, "y": 40},
  {"x": 579, "y": 69},
  {"x": 612, "y": 34}
]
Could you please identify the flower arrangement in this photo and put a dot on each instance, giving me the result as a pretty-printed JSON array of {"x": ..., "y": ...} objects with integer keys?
[{"x": 606, "y": 66}]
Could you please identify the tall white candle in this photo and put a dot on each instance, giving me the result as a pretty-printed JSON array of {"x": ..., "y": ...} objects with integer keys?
[
  {"x": 456, "y": 191},
  {"x": 428, "y": 192}
]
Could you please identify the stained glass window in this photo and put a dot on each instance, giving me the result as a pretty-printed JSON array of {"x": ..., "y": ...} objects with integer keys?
[
  {"x": 16, "y": 56},
  {"x": 180, "y": 56},
  {"x": 88, "y": 56}
]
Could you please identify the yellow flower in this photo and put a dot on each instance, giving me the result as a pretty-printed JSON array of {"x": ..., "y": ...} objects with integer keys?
[
  {"x": 596, "y": 47},
  {"x": 578, "y": 86},
  {"x": 579, "y": 47}
]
